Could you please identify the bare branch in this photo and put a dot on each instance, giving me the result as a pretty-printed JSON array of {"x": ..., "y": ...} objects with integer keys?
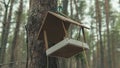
[
  {"x": 5, "y": 4},
  {"x": 8, "y": 2},
  {"x": 2, "y": 2}
]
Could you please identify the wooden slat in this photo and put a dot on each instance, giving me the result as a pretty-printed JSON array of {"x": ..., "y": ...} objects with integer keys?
[
  {"x": 66, "y": 33},
  {"x": 68, "y": 20},
  {"x": 58, "y": 18},
  {"x": 67, "y": 48},
  {"x": 42, "y": 25},
  {"x": 45, "y": 40},
  {"x": 83, "y": 32}
]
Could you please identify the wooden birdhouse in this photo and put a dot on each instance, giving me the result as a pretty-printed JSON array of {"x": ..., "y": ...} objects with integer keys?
[{"x": 54, "y": 29}]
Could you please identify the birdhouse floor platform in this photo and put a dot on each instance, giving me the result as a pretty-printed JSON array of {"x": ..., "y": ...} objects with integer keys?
[{"x": 66, "y": 48}]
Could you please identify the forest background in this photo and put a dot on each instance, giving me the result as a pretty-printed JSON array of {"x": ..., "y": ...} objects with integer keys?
[{"x": 103, "y": 37}]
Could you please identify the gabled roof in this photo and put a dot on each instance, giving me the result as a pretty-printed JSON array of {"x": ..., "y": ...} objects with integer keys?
[{"x": 52, "y": 23}]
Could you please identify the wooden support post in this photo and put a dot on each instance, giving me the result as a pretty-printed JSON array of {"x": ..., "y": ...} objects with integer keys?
[
  {"x": 86, "y": 60},
  {"x": 45, "y": 39},
  {"x": 66, "y": 34},
  {"x": 83, "y": 32}
]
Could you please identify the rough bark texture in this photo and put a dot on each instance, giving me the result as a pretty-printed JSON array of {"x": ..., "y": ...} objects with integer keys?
[
  {"x": 36, "y": 50},
  {"x": 16, "y": 36}
]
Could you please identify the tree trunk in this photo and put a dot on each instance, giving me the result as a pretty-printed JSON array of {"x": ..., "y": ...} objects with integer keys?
[
  {"x": 5, "y": 30},
  {"x": 76, "y": 8},
  {"x": 16, "y": 36},
  {"x": 36, "y": 50},
  {"x": 98, "y": 19},
  {"x": 71, "y": 8},
  {"x": 65, "y": 7},
  {"x": 108, "y": 36},
  {"x": 113, "y": 43},
  {"x": 2, "y": 47}
]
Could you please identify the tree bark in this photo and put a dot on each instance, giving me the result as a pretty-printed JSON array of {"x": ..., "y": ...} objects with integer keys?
[
  {"x": 16, "y": 36},
  {"x": 36, "y": 50},
  {"x": 2, "y": 50},
  {"x": 5, "y": 30},
  {"x": 65, "y": 7},
  {"x": 98, "y": 19},
  {"x": 76, "y": 8},
  {"x": 113, "y": 43},
  {"x": 108, "y": 33},
  {"x": 71, "y": 8}
]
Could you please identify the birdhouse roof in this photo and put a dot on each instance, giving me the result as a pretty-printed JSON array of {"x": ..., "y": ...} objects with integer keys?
[{"x": 52, "y": 23}]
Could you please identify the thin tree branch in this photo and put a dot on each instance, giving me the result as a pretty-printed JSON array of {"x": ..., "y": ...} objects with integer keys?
[
  {"x": 2, "y": 2},
  {"x": 8, "y": 2}
]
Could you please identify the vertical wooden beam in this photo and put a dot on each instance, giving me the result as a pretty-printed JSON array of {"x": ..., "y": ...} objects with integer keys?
[
  {"x": 85, "y": 55},
  {"x": 66, "y": 34},
  {"x": 45, "y": 39},
  {"x": 83, "y": 35}
]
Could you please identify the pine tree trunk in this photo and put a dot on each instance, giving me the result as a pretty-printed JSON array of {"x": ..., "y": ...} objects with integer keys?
[
  {"x": 71, "y": 8},
  {"x": 77, "y": 10},
  {"x": 113, "y": 43},
  {"x": 5, "y": 32},
  {"x": 65, "y": 6},
  {"x": 2, "y": 47},
  {"x": 36, "y": 50},
  {"x": 98, "y": 20},
  {"x": 108, "y": 34},
  {"x": 13, "y": 57}
]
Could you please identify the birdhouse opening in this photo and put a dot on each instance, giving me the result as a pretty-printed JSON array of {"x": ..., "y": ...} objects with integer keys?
[{"x": 54, "y": 29}]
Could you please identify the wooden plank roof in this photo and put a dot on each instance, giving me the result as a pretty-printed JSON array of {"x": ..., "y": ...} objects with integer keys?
[
  {"x": 52, "y": 23},
  {"x": 67, "y": 20}
]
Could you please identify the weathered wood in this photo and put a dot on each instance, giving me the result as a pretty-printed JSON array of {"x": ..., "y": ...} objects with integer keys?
[
  {"x": 67, "y": 20},
  {"x": 67, "y": 48},
  {"x": 52, "y": 23},
  {"x": 45, "y": 40},
  {"x": 66, "y": 33},
  {"x": 41, "y": 26}
]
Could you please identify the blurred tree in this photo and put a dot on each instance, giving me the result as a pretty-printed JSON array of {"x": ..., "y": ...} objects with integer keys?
[
  {"x": 108, "y": 33},
  {"x": 13, "y": 57},
  {"x": 71, "y": 8},
  {"x": 65, "y": 7},
  {"x": 98, "y": 20},
  {"x": 4, "y": 35}
]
